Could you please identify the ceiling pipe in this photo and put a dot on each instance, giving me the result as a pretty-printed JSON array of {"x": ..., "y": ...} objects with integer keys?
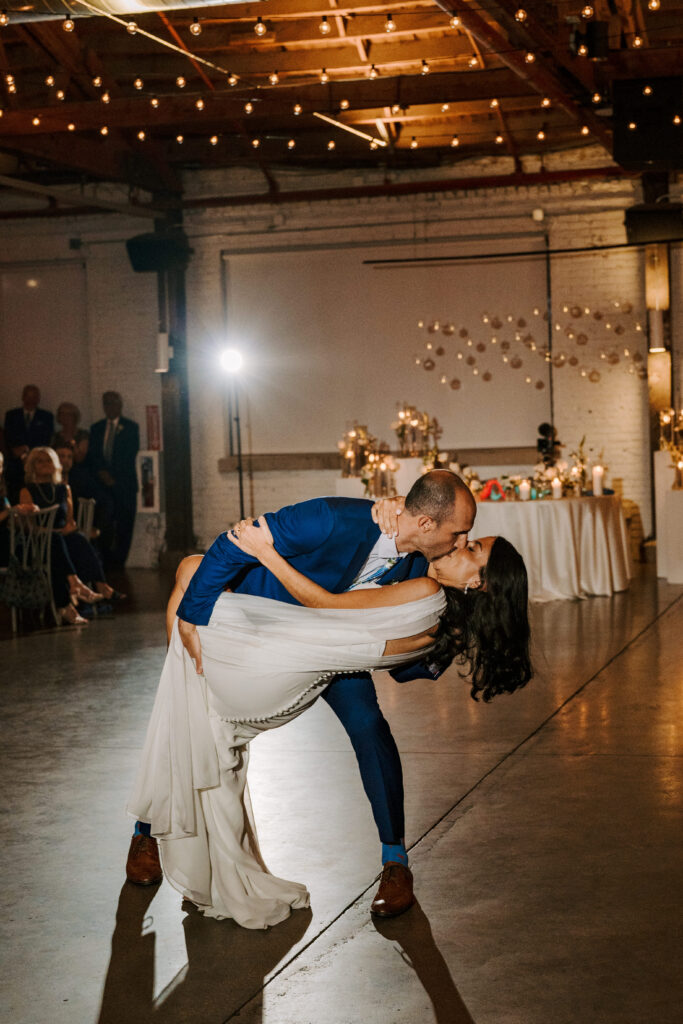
[
  {"x": 48, "y": 10},
  {"x": 409, "y": 188}
]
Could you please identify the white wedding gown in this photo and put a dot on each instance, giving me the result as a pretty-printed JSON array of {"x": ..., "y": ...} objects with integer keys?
[{"x": 264, "y": 663}]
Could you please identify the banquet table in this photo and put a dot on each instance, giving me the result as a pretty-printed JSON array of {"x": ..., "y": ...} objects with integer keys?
[{"x": 573, "y": 548}]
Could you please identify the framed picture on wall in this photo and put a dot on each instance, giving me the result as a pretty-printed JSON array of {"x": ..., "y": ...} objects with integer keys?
[{"x": 147, "y": 468}]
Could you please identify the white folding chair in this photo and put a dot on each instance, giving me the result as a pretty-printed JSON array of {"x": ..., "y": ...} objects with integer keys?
[
  {"x": 30, "y": 544},
  {"x": 85, "y": 515}
]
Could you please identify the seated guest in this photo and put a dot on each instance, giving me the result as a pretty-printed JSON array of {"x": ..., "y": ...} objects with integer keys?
[
  {"x": 25, "y": 428},
  {"x": 84, "y": 484},
  {"x": 68, "y": 417},
  {"x": 84, "y": 556},
  {"x": 5, "y": 509},
  {"x": 43, "y": 486}
]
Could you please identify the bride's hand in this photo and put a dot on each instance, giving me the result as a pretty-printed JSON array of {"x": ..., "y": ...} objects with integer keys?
[
  {"x": 385, "y": 513},
  {"x": 251, "y": 538}
]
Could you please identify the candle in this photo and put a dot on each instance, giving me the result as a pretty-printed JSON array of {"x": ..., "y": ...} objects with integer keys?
[
  {"x": 598, "y": 474},
  {"x": 524, "y": 490},
  {"x": 557, "y": 487}
]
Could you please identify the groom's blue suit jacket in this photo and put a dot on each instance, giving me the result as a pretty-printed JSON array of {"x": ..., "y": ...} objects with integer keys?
[{"x": 327, "y": 539}]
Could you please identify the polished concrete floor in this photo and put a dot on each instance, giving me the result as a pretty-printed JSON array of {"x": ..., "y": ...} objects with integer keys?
[{"x": 545, "y": 831}]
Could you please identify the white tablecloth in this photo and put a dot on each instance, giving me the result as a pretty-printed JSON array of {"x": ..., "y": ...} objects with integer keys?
[{"x": 572, "y": 548}]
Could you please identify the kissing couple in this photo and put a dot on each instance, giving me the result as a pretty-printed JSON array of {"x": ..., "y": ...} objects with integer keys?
[{"x": 301, "y": 605}]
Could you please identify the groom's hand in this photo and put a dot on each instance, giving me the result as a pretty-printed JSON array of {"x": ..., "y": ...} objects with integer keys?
[{"x": 190, "y": 640}]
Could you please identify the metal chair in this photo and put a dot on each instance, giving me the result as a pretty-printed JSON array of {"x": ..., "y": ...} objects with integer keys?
[
  {"x": 85, "y": 516},
  {"x": 30, "y": 544}
]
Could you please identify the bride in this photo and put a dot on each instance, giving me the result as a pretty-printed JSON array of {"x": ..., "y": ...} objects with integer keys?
[{"x": 265, "y": 662}]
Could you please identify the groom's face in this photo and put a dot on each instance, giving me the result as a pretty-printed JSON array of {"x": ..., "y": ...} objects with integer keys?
[{"x": 439, "y": 539}]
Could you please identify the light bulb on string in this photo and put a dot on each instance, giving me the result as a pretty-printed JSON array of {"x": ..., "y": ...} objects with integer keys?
[
  {"x": 154, "y": 102},
  {"x": 585, "y": 129},
  {"x": 344, "y": 105},
  {"x": 180, "y": 139},
  {"x": 104, "y": 130},
  {"x": 35, "y": 122},
  {"x": 259, "y": 28},
  {"x": 138, "y": 84},
  {"x": 132, "y": 27},
  {"x": 4, "y": 19},
  {"x": 647, "y": 90},
  {"x": 291, "y": 144},
  {"x": 97, "y": 81},
  {"x": 520, "y": 15},
  {"x": 256, "y": 143},
  {"x": 232, "y": 80},
  {"x": 637, "y": 42},
  {"x": 71, "y": 127},
  {"x": 390, "y": 24},
  {"x": 374, "y": 144},
  {"x": 424, "y": 69},
  {"x": 631, "y": 127},
  {"x": 324, "y": 28},
  {"x": 60, "y": 94},
  {"x": 582, "y": 50},
  {"x": 454, "y": 21},
  {"x": 499, "y": 139},
  {"x": 68, "y": 24},
  {"x": 587, "y": 11},
  {"x": 654, "y": 5},
  {"x": 195, "y": 27},
  {"x": 455, "y": 141},
  {"x": 324, "y": 77},
  {"x": 540, "y": 135},
  {"x": 297, "y": 109},
  {"x": 546, "y": 102},
  {"x": 105, "y": 97},
  {"x": 373, "y": 73},
  {"x": 677, "y": 119},
  {"x": 413, "y": 143},
  {"x": 11, "y": 88},
  {"x": 529, "y": 57},
  {"x": 50, "y": 80},
  {"x": 181, "y": 82},
  {"x": 473, "y": 62},
  {"x": 199, "y": 104},
  {"x": 214, "y": 140},
  {"x": 494, "y": 104},
  {"x": 445, "y": 107},
  {"x": 395, "y": 110},
  {"x": 273, "y": 78},
  {"x": 142, "y": 136},
  {"x": 331, "y": 144},
  {"x": 248, "y": 107}
]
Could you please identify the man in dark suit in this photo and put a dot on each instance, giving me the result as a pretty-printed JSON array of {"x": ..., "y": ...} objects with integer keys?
[
  {"x": 335, "y": 542},
  {"x": 25, "y": 428},
  {"x": 114, "y": 443}
]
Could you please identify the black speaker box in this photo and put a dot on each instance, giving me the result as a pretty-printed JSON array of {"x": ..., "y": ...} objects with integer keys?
[
  {"x": 654, "y": 222},
  {"x": 153, "y": 252},
  {"x": 655, "y": 107}
]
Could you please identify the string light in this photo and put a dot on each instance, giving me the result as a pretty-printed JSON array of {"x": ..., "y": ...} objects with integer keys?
[
  {"x": 424, "y": 70},
  {"x": 297, "y": 109},
  {"x": 232, "y": 79},
  {"x": 637, "y": 42},
  {"x": 132, "y": 27},
  {"x": 344, "y": 105},
  {"x": 520, "y": 15},
  {"x": 455, "y": 141},
  {"x": 413, "y": 143},
  {"x": 4, "y": 19},
  {"x": 587, "y": 12},
  {"x": 677, "y": 119},
  {"x": 50, "y": 80},
  {"x": 35, "y": 122},
  {"x": 71, "y": 126},
  {"x": 654, "y": 5},
  {"x": 596, "y": 97},
  {"x": 499, "y": 139},
  {"x": 105, "y": 97},
  {"x": 256, "y": 143},
  {"x": 546, "y": 102},
  {"x": 632, "y": 126},
  {"x": 104, "y": 130},
  {"x": 138, "y": 83},
  {"x": 68, "y": 24},
  {"x": 473, "y": 61},
  {"x": 9, "y": 79},
  {"x": 11, "y": 88},
  {"x": 390, "y": 24},
  {"x": 291, "y": 144},
  {"x": 97, "y": 81},
  {"x": 373, "y": 72},
  {"x": 374, "y": 144},
  {"x": 455, "y": 21},
  {"x": 331, "y": 144},
  {"x": 529, "y": 57},
  {"x": 195, "y": 27},
  {"x": 259, "y": 28},
  {"x": 582, "y": 50},
  {"x": 445, "y": 107},
  {"x": 585, "y": 129},
  {"x": 214, "y": 140},
  {"x": 324, "y": 27},
  {"x": 142, "y": 136},
  {"x": 273, "y": 78},
  {"x": 154, "y": 102},
  {"x": 494, "y": 104},
  {"x": 395, "y": 109},
  {"x": 647, "y": 90},
  {"x": 248, "y": 107},
  {"x": 180, "y": 82},
  {"x": 60, "y": 94},
  {"x": 180, "y": 139},
  {"x": 199, "y": 104},
  {"x": 540, "y": 136},
  {"x": 324, "y": 77}
]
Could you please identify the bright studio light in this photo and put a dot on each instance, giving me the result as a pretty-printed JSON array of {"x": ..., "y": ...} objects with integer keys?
[{"x": 231, "y": 360}]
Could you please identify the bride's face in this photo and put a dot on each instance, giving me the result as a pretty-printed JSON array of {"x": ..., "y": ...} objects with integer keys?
[{"x": 461, "y": 567}]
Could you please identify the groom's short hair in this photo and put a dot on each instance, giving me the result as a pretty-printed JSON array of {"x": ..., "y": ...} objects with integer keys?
[{"x": 435, "y": 495}]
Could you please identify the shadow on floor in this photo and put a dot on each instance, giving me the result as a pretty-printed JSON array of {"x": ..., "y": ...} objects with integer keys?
[
  {"x": 226, "y": 965},
  {"x": 413, "y": 934}
]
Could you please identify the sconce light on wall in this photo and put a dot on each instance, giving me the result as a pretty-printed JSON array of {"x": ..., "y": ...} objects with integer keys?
[
  {"x": 164, "y": 352},
  {"x": 657, "y": 296}
]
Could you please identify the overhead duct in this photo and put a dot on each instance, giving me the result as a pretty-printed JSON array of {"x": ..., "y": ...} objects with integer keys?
[{"x": 46, "y": 10}]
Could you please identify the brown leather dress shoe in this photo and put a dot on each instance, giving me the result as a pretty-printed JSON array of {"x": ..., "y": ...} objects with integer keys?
[
  {"x": 395, "y": 893},
  {"x": 143, "y": 865}
]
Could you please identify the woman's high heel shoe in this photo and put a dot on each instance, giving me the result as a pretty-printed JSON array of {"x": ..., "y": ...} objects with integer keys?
[
  {"x": 80, "y": 592},
  {"x": 70, "y": 616}
]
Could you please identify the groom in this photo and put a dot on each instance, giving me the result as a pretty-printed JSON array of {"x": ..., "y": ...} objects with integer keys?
[{"x": 335, "y": 542}]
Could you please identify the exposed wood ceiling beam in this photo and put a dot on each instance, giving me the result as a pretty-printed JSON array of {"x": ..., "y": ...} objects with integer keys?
[{"x": 71, "y": 199}]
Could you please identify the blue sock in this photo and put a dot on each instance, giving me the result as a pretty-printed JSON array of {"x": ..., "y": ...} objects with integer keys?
[
  {"x": 142, "y": 829},
  {"x": 396, "y": 852}
]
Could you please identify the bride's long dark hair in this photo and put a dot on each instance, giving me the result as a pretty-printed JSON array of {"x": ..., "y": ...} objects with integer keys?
[{"x": 488, "y": 629}]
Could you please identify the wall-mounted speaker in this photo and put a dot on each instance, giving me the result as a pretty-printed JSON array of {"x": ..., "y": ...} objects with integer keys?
[
  {"x": 648, "y": 123},
  {"x": 155, "y": 252}
]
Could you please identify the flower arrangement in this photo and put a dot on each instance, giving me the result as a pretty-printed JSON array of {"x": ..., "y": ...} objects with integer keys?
[
  {"x": 417, "y": 433},
  {"x": 377, "y": 475},
  {"x": 354, "y": 448}
]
